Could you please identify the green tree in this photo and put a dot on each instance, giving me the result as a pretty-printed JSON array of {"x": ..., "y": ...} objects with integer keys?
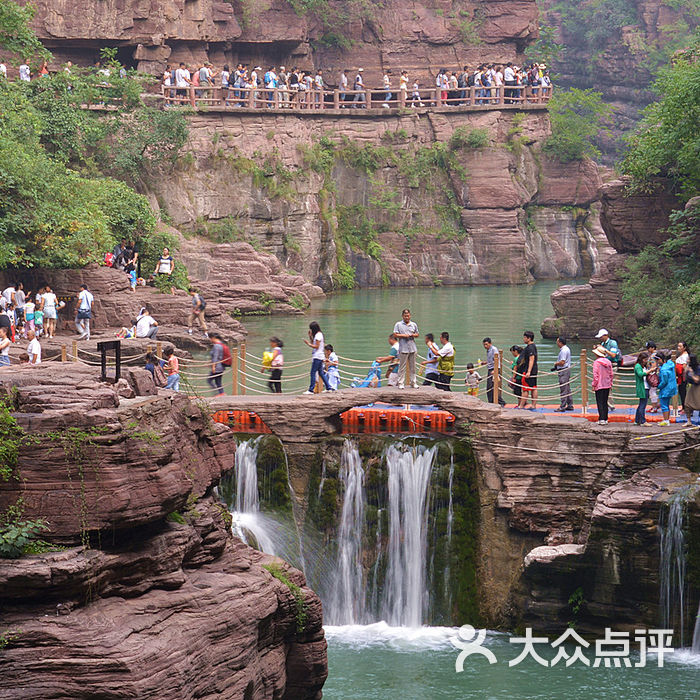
[
  {"x": 576, "y": 117},
  {"x": 15, "y": 34},
  {"x": 667, "y": 142}
]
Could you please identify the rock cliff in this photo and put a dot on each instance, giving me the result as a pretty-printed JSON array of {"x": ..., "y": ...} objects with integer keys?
[
  {"x": 150, "y": 595},
  {"x": 630, "y": 222},
  {"x": 421, "y": 36},
  {"x": 407, "y": 199},
  {"x": 615, "y": 48}
]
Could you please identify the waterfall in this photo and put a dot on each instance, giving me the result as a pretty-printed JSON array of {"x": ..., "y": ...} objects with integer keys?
[
  {"x": 448, "y": 538},
  {"x": 408, "y": 481},
  {"x": 348, "y": 604},
  {"x": 696, "y": 633},
  {"x": 248, "y": 523},
  {"x": 673, "y": 591}
]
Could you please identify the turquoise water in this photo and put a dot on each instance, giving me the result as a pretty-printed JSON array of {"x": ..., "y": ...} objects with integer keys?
[{"x": 377, "y": 663}]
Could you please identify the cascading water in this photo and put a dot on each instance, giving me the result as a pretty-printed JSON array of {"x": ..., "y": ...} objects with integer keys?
[
  {"x": 348, "y": 605},
  {"x": 247, "y": 521},
  {"x": 696, "y": 633},
  {"x": 673, "y": 591},
  {"x": 408, "y": 482}
]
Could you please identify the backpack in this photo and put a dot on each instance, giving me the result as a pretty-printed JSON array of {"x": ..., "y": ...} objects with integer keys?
[
  {"x": 226, "y": 361},
  {"x": 159, "y": 377},
  {"x": 202, "y": 303},
  {"x": 471, "y": 80}
]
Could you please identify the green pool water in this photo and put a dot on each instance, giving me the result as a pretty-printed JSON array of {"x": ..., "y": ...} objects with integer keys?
[{"x": 377, "y": 663}]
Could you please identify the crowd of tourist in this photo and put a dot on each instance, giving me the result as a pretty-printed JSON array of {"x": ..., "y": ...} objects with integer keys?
[{"x": 280, "y": 87}]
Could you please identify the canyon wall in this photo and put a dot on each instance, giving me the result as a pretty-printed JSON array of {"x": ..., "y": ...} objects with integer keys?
[
  {"x": 421, "y": 36},
  {"x": 415, "y": 198},
  {"x": 149, "y": 594},
  {"x": 616, "y": 48}
]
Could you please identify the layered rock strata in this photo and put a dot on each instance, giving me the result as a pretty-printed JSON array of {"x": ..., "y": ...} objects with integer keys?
[
  {"x": 423, "y": 36},
  {"x": 630, "y": 222},
  {"x": 159, "y": 599},
  {"x": 403, "y": 199}
]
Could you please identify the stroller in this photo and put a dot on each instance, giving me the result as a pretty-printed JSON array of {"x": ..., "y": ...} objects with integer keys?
[{"x": 372, "y": 380}]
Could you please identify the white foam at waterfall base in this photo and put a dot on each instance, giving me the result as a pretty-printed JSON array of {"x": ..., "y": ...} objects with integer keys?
[{"x": 383, "y": 634}]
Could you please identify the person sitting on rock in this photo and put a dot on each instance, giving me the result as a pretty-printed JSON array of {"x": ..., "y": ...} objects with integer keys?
[{"x": 146, "y": 325}]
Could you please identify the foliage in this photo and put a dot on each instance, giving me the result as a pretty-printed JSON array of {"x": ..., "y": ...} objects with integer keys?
[
  {"x": 359, "y": 231},
  {"x": 12, "y": 437},
  {"x": 576, "y": 117},
  {"x": 667, "y": 142},
  {"x": 297, "y": 593},
  {"x": 226, "y": 230},
  {"x": 661, "y": 286},
  {"x": 576, "y": 604},
  {"x": 297, "y": 301},
  {"x": 594, "y": 22},
  {"x": 468, "y": 138},
  {"x": 16, "y": 534},
  {"x": 546, "y": 49},
  {"x": 15, "y": 33},
  {"x": 266, "y": 301}
]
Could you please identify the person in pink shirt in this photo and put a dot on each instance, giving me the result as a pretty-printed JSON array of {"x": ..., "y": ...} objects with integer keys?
[{"x": 602, "y": 383}]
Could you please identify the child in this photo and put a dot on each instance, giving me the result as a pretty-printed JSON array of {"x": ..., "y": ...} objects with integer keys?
[
  {"x": 653, "y": 382},
  {"x": 127, "y": 332},
  {"x": 29, "y": 314},
  {"x": 133, "y": 279},
  {"x": 415, "y": 96},
  {"x": 472, "y": 381},
  {"x": 332, "y": 371},
  {"x": 172, "y": 367},
  {"x": 38, "y": 322},
  {"x": 276, "y": 365}
]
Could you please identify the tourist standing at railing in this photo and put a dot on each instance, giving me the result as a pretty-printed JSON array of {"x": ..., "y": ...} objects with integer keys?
[
  {"x": 172, "y": 367},
  {"x": 318, "y": 88},
  {"x": 432, "y": 376},
  {"x": 403, "y": 86},
  {"x": 167, "y": 84},
  {"x": 641, "y": 387},
  {"x": 602, "y": 383},
  {"x": 343, "y": 87},
  {"x": 509, "y": 80},
  {"x": 491, "y": 353},
  {"x": 318, "y": 357},
  {"x": 182, "y": 82},
  {"x": 276, "y": 365},
  {"x": 386, "y": 84},
  {"x": 515, "y": 382},
  {"x": 407, "y": 331},
  {"x": 85, "y": 302},
  {"x": 283, "y": 86},
  {"x": 392, "y": 372},
  {"x": 692, "y": 397},
  {"x": 359, "y": 88},
  {"x": 612, "y": 352},
  {"x": 529, "y": 370},
  {"x": 446, "y": 363},
  {"x": 415, "y": 95},
  {"x": 270, "y": 83},
  {"x": 332, "y": 367},
  {"x": 462, "y": 83},
  {"x": 668, "y": 388},
  {"x": 681, "y": 362},
  {"x": 217, "y": 363},
  {"x": 563, "y": 369}
]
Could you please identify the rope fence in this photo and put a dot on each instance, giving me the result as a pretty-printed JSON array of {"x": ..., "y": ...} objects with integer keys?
[{"x": 246, "y": 375}]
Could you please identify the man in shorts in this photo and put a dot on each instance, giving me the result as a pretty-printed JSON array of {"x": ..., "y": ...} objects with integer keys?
[{"x": 529, "y": 365}]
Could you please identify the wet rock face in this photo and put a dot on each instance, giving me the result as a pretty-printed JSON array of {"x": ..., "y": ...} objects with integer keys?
[
  {"x": 501, "y": 212},
  {"x": 630, "y": 222},
  {"x": 160, "y": 600},
  {"x": 615, "y": 574}
]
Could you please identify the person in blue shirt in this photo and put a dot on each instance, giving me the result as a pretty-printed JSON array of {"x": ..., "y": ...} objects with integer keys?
[
  {"x": 668, "y": 387},
  {"x": 392, "y": 372}
]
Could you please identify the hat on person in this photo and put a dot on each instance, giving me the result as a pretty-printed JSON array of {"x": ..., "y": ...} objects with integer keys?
[
  {"x": 650, "y": 344},
  {"x": 602, "y": 332},
  {"x": 257, "y": 68},
  {"x": 360, "y": 70},
  {"x": 599, "y": 351}
]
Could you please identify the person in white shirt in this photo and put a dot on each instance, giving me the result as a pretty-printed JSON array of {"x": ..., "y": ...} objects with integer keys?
[
  {"x": 318, "y": 87},
  {"x": 182, "y": 82},
  {"x": 146, "y": 325},
  {"x": 386, "y": 82},
  {"x": 82, "y": 319},
  {"x": 3, "y": 70},
  {"x": 318, "y": 357},
  {"x": 509, "y": 79},
  {"x": 33, "y": 349},
  {"x": 359, "y": 88},
  {"x": 25, "y": 73},
  {"x": 446, "y": 363},
  {"x": 8, "y": 294},
  {"x": 49, "y": 307},
  {"x": 343, "y": 87},
  {"x": 5, "y": 344}
]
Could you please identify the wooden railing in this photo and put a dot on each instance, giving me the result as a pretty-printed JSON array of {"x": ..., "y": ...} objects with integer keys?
[{"x": 371, "y": 98}]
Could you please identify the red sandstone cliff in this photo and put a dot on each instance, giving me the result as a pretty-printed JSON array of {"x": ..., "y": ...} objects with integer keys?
[{"x": 150, "y": 604}]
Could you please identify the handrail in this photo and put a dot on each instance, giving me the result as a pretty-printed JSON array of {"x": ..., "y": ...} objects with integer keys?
[{"x": 469, "y": 98}]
